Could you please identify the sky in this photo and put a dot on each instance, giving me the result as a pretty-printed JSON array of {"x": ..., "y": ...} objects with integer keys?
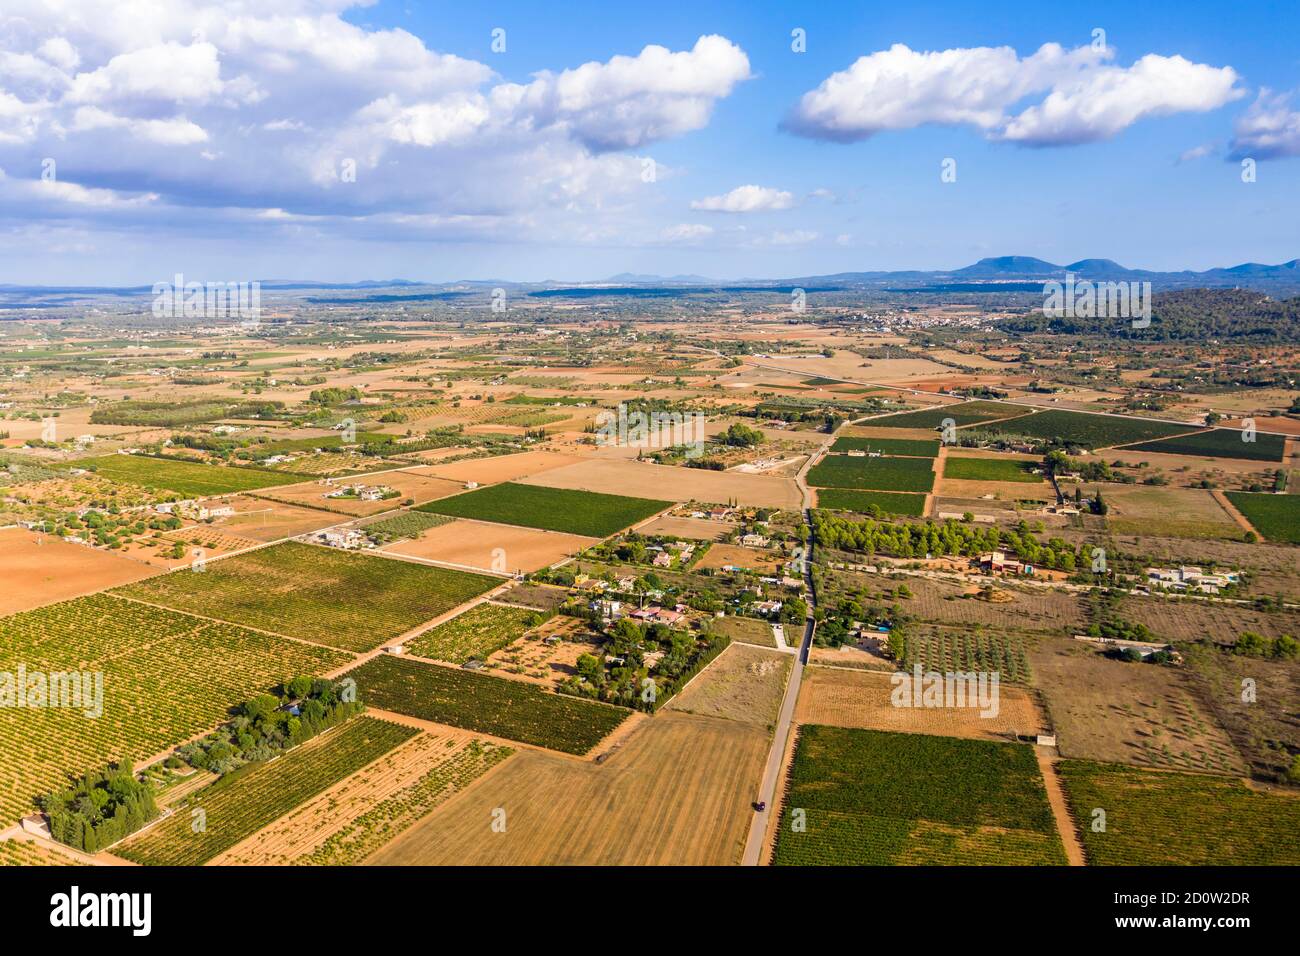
[{"x": 338, "y": 140}]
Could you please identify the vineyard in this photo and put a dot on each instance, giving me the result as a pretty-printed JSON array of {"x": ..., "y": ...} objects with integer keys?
[
  {"x": 191, "y": 479},
  {"x": 476, "y": 633},
  {"x": 408, "y": 524},
  {"x": 877, "y": 474},
  {"x": 167, "y": 677},
  {"x": 491, "y": 705},
  {"x": 1220, "y": 443},
  {"x": 878, "y": 798},
  {"x": 345, "y": 600},
  {"x": 553, "y": 509},
  {"x": 949, "y": 649},
  {"x": 28, "y": 853},
  {"x": 989, "y": 469},
  {"x": 914, "y": 447},
  {"x": 887, "y": 502},
  {"x": 1276, "y": 516},
  {"x": 243, "y": 802},
  {"x": 1177, "y": 819},
  {"x": 1082, "y": 428},
  {"x": 966, "y": 413}
]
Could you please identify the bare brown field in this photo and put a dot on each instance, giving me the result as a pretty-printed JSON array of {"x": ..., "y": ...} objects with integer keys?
[
  {"x": 1191, "y": 619},
  {"x": 644, "y": 480},
  {"x": 1141, "y": 714},
  {"x": 677, "y": 792},
  {"x": 271, "y": 520},
  {"x": 415, "y": 483},
  {"x": 857, "y": 698},
  {"x": 489, "y": 471},
  {"x": 1007, "y": 491},
  {"x": 40, "y": 569},
  {"x": 744, "y": 683},
  {"x": 724, "y": 555},
  {"x": 491, "y": 547},
  {"x": 701, "y": 529},
  {"x": 301, "y": 831}
]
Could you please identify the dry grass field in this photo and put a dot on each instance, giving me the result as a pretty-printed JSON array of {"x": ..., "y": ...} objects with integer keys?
[
  {"x": 1181, "y": 512},
  {"x": 1141, "y": 714},
  {"x": 271, "y": 520},
  {"x": 700, "y": 529},
  {"x": 1031, "y": 609},
  {"x": 492, "y": 547},
  {"x": 745, "y": 683},
  {"x": 676, "y": 792},
  {"x": 489, "y": 471},
  {"x": 642, "y": 479},
  {"x": 730, "y": 555},
  {"x": 1193, "y": 619},
  {"x": 40, "y": 569},
  {"x": 843, "y": 698},
  {"x": 415, "y": 483}
]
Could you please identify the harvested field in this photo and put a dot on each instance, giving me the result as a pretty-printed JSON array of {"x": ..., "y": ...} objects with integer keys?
[
  {"x": 332, "y": 597},
  {"x": 1005, "y": 491},
  {"x": 744, "y": 683},
  {"x": 860, "y": 698},
  {"x": 1141, "y": 714},
  {"x": 362, "y": 813},
  {"x": 270, "y": 520},
  {"x": 40, "y": 569},
  {"x": 489, "y": 471},
  {"x": 491, "y": 547},
  {"x": 553, "y": 509},
  {"x": 732, "y": 555},
  {"x": 619, "y": 476},
  {"x": 677, "y": 791},
  {"x": 700, "y": 529}
]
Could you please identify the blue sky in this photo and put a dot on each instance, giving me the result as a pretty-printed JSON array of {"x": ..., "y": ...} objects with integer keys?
[{"x": 215, "y": 139}]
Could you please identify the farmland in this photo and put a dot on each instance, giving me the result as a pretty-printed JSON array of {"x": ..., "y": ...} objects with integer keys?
[
  {"x": 1176, "y": 819},
  {"x": 989, "y": 469},
  {"x": 947, "y": 649},
  {"x": 189, "y": 479},
  {"x": 505, "y": 708},
  {"x": 907, "y": 447},
  {"x": 1276, "y": 516},
  {"x": 876, "y": 474},
  {"x": 408, "y": 524},
  {"x": 878, "y": 798},
  {"x": 1220, "y": 443},
  {"x": 476, "y": 633},
  {"x": 167, "y": 676},
  {"x": 554, "y": 509},
  {"x": 351, "y": 601},
  {"x": 852, "y": 499},
  {"x": 1082, "y": 428},
  {"x": 244, "y": 801},
  {"x": 965, "y": 413}
]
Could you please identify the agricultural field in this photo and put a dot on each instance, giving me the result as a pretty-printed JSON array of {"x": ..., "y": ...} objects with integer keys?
[
  {"x": 676, "y": 792},
  {"x": 554, "y": 509},
  {"x": 876, "y": 474},
  {"x": 905, "y": 447},
  {"x": 987, "y": 650},
  {"x": 746, "y": 630},
  {"x": 167, "y": 677},
  {"x": 1083, "y": 428},
  {"x": 476, "y": 633},
  {"x": 189, "y": 479},
  {"x": 1277, "y": 517},
  {"x": 875, "y": 798},
  {"x": 482, "y": 545},
  {"x": 1220, "y": 443},
  {"x": 624, "y": 476},
  {"x": 332, "y": 597},
  {"x": 965, "y": 413},
  {"x": 990, "y": 469},
  {"x": 1178, "y": 819},
  {"x": 243, "y": 801},
  {"x": 41, "y": 569},
  {"x": 20, "y": 852},
  {"x": 852, "y": 499},
  {"x": 514, "y": 710},
  {"x": 744, "y": 683},
  {"x": 408, "y": 524},
  {"x": 1182, "y": 512}
]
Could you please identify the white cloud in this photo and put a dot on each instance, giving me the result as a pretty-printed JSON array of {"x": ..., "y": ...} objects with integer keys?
[
  {"x": 169, "y": 71},
  {"x": 686, "y": 232},
  {"x": 1196, "y": 152},
  {"x": 794, "y": 237},
  {"x": 1087, "y": 98},
  {"x": 746, "y": 199},
  {"x": 1269, "y": 129}
]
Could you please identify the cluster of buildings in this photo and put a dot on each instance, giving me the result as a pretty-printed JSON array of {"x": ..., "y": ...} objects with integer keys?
[
  {"x": 1190, "y": 578},
  {"x": 193, "y": 510},
  {"x": 364, "y": 492}
]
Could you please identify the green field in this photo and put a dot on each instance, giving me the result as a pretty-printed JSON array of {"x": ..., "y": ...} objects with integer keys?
[
  {"x": 963, "y": 413},
  {"x": 920, "y": 448},
  {"x": 499, "y": 706},
  {"x": 875, "y": 798},
  {"x": 990, "y": 469},
  {"x": 191, "y": 479},
  {"x": 1176, "y": 819},
  {"x": 408, "y": 524},
  {"x": 1276, "y": 516},
  {"x": 554, "y": 509},
  {"x": 242, "y": 802},
  {"x": 876, "y": 474},
  {"x": 850, "y": 499},
  {"x": 477, "y": 632},
  {"x": 167, "y": 677},
  {"x": 1220, "y": 443},
  {"x": 1083, "y": 428},
  {"x": 333, "y": 597}
]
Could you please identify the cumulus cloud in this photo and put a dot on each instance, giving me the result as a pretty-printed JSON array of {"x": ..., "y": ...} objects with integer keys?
[
  {"x": 686, "y": 232},
  {"x": 746, "y": 199},
  {"x": 1269, "y": 129},
  {"x": 1085, "y": 97}
]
